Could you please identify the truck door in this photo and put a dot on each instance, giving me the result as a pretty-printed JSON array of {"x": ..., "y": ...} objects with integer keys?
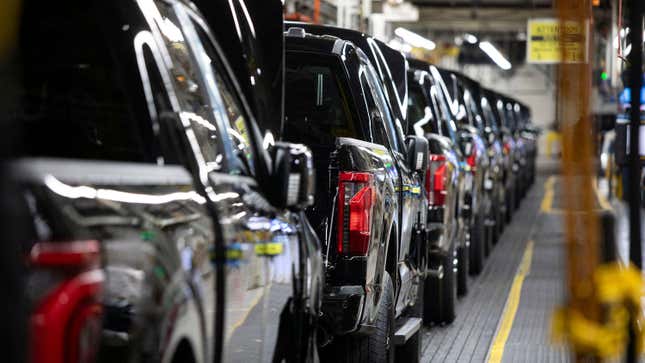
[{"x": 256, "y": 253}]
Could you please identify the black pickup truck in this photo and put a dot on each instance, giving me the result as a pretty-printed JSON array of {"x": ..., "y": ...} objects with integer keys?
[
  {"x": 159, "y": 229},
  {"x": 365, "y": 193},
  {"x": 391, "y": 67},
  {"x": 428, "y": 117},
  {"x": 529, "y": 135},
  {"x": 492, "y": 107},
  {"x": 478, "y": 164},
  {"x": 493, "y": 183}
]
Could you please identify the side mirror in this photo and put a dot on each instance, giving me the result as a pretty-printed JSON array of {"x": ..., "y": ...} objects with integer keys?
[
  {"x": 417, "y": 156},
  {"x": 292, "y": 177}
]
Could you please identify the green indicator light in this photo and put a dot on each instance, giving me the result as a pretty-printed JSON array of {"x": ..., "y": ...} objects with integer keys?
[
  {"x": 604, "y": 76},
  {"x": 147, "y": 235}
]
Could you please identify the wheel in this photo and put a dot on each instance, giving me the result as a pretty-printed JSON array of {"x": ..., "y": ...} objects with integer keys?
[
  {"x": 519, "y": 195},
  {"x": 489, "y": 240},
  {"x": 462, "y": 270},
  {"x": 376, "y": 347},
  {"x": 440, "y": 293},
  {"x": 510, "y": 205},
  {"x": 478, "y": 245},
  {"x": 501, "y": 216}
]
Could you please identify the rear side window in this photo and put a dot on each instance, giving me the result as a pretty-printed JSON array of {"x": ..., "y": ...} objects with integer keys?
[
  {"x": 377, "y": 115},
  {"x": 489, "y": 116},
  {"x": 378, "y": 94},
  {"x": 419, "y": 112},
  {"x": 471, "y": 105},
  {"x": 448, "y": 128},
  {"x": 317, "y": 103},
  {"x": 71, "y": 101}
]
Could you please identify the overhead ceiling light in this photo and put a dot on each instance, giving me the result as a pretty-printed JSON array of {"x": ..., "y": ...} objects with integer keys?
[
  {"x": 414, "y": 39},
  {"x": 495, "y": 55},
  {"x": 398, "y": 45},
  {"x": 470, "y": 38},
  {"x": 395, "y": 44}
]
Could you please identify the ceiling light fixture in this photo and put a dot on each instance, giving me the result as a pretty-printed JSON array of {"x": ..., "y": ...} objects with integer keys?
[
  {"x": 495, "y": 55},
  {"x": 470, "y": 38},
  {"x": 414, "y": 39}
]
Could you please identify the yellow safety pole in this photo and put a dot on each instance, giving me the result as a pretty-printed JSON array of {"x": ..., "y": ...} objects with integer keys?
[
  {"x": 581, "y": 224},
  {"x": 9, "y": 11},
  {"x": 602, "y": 315}
]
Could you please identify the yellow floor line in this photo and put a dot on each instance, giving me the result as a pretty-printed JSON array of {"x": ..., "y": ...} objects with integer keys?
[
  {"x": 547, "y": 201},
  {"x": 512, "y": 303}
]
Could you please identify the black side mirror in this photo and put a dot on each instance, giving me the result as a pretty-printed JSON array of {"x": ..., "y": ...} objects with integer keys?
[
  {"x": 417, "y": 156},
  {"x": 292, "y": 176}
]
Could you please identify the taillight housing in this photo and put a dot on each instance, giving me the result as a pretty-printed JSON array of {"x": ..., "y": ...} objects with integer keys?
[
  {"x": 437, "y": 180},
  {"x": 356, "y": 197},
  {"x": 66, "y": 323},
  {"x": 472, "y": 160},
  {"x": 507, "y": 148}
]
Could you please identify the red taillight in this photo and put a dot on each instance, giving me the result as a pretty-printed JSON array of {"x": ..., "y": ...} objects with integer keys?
[
  {"x": 355, "y": 201},
  {"x": 66, "y": 323},
  {"x": 436, "y": 180},
  {"x": 507, "y": 148},
  {"x": 77, "y": 254},
  {"x": 472, "y": 160}
]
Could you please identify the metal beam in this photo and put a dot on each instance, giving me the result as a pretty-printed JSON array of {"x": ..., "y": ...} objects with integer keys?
[
  {"x": 523, "y": 4},
  {"x": 481, "y": 20}
]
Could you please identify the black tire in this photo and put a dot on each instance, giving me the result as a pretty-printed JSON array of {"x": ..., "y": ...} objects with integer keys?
[
  {"x": 478, "y": 245},
  {"x": 440, "y": 293},
  {"x": 500, "y": 209},
  {"x": 519, "y": 195},
  {"x": 489, "y": 240},
  {"x": 500, "y": 219},
  {"x": 462, "y": 270},
  {"x": 510, "y": 205},
  {"x": 377, "y": 347}
]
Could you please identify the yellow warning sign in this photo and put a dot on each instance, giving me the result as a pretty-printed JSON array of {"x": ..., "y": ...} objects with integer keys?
[{"x": 543, "y": 41}]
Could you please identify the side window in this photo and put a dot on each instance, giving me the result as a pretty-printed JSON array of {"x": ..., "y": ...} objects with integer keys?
[
  {"x": 448, "y": 127},
  {"x": 190, "y": 90},
  {"x": 233, "y": 117},
  {"x": 420, "y": 114},
  {"x": 207, "y": 101},
  {"x": 381, "y": 104},
  {"x": 157, "y": 98},
  {"x": 377, "y": 129},
  {"x": 444, "y": 111},
  {"x": 491, "y": 118},
  {"x": 436, "y": 110},
  {"x": 474, "y": 112}
]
